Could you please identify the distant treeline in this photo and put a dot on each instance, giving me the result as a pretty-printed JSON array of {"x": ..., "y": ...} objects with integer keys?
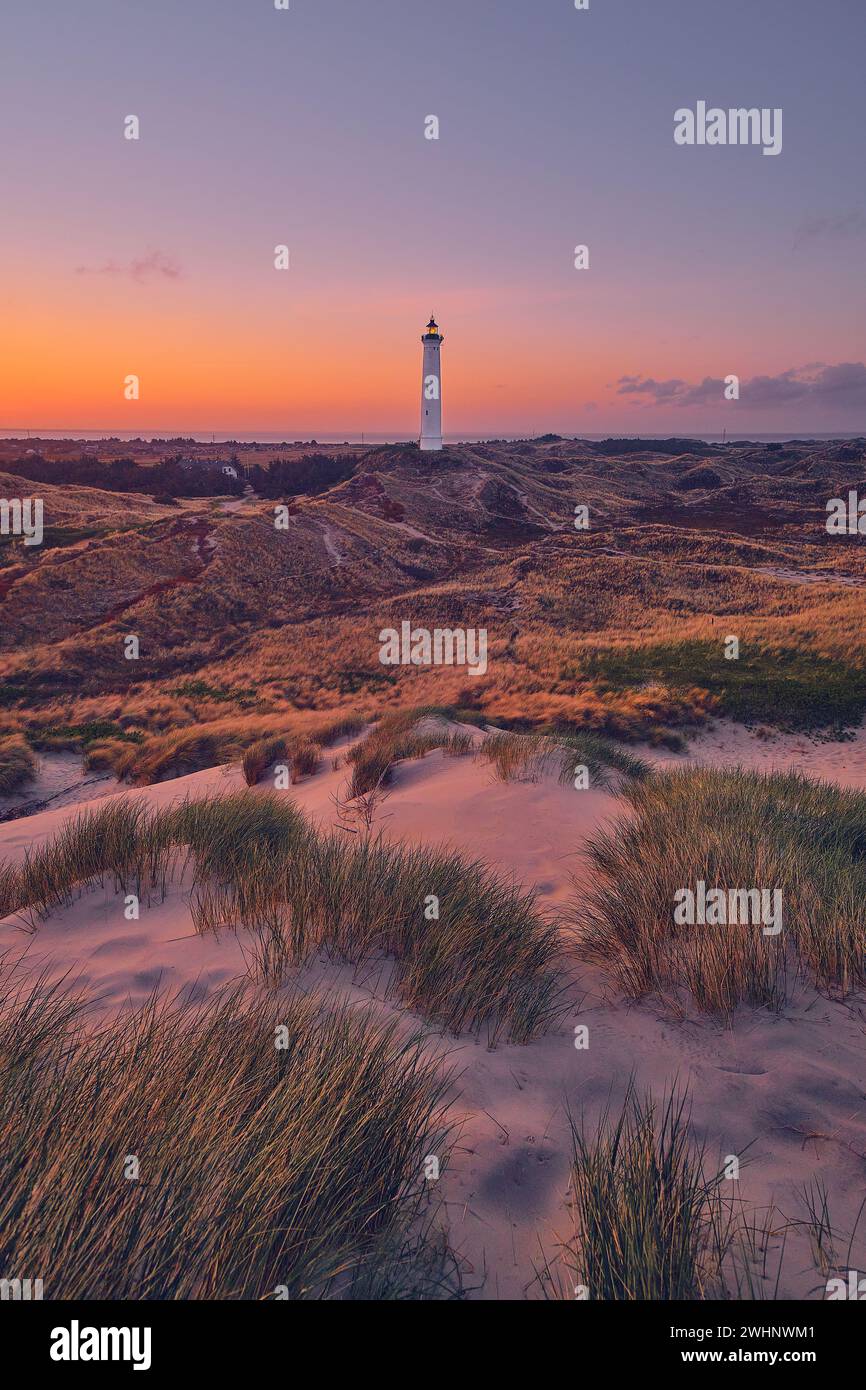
[
  {"x": 654, "y": 446},
  {"x": 306, "y": 476},
  {"x": 165, "y": 479},
  {"x": 309, "y": 475}
]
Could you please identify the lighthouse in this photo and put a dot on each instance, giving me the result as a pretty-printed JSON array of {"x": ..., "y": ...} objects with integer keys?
[{"x": 431, "y": 388}]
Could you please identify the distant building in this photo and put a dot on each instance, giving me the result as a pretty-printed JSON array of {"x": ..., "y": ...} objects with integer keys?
[
  {"x": 199, "y": 463},
  {"x": 229, "y": 470}
]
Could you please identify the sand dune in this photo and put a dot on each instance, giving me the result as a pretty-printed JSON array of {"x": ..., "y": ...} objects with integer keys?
[{"x": 789, "y": 1086}]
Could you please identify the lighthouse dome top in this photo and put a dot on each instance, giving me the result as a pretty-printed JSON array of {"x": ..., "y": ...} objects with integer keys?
[{"x": 432, "y": 329}]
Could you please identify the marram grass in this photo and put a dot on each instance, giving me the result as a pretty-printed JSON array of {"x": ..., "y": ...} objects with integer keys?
[
  {"x": 179, "y": 1154},
  {"x": 649, "y": 1219},
  {"x": 17, "y": 763},
  {"x": 736, "y": 830},
  {"x": 471, "y": 951},
  {"x": 516, "y": 756}
]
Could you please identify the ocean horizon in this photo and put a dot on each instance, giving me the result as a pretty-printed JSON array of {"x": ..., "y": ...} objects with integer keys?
[{"x": 277, "y": 438}]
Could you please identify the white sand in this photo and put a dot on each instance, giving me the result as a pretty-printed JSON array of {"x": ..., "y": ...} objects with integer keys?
[
  {"x": 731, "y": 745},
  {"x": 792, "y": 1087}
]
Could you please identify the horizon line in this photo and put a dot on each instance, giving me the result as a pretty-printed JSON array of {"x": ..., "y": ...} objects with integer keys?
[{"x": 11, "y": 433}]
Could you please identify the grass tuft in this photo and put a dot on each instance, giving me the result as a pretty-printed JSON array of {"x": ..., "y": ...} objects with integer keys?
[
  {"x": 392, "y": 741},
  {"x": 731, "y": 829},
  {"x": 529, "y": 756},
  {"x": 17, "y": 763},
  {"x": 300, "y": 754},
  {"x": 263, "y": 1171},
  {"x": 649, "y": 1224}
]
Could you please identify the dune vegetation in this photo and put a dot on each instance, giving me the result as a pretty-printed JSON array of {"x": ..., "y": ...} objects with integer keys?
[
  {"x": 246, "y": 1149},
  {"x": 738, "y": 830},
  {"x": 297, "y": 1171},
  {"x": 301, "y": 755},
  {"x": 486, "y": 962},
  {"x": 789, "y": 686},
  {"x": 649, "y": 1218},
  {"x": 655, "y": 1217},
  {"x": 143, "y": 759},
  {"x": 618, "y": 630},
  {"x": 394, "y": 739},
  {"x": 17, "y": 763},
  {"x": 530, "y": 756}
]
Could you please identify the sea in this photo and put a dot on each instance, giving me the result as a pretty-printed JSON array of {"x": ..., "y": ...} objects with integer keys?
[{"x": 77, "y": 435}]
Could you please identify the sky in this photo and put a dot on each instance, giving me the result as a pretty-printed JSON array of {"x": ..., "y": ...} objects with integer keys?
[{"x": 306, "y": 127}]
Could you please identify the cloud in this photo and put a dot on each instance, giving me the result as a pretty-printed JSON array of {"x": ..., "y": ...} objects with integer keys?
[
  {"x": 639, "y": 386},
  {"x": 839, "y": 387},
  {"x": 156, "y": 264},
  {"x": 838, "y": 227},
  {"x": 674, "y": 391},
  {"x": 711, "y": 389}
]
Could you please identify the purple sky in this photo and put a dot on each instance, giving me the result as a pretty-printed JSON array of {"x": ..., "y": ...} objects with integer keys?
[{"x": 306, "y": 128}]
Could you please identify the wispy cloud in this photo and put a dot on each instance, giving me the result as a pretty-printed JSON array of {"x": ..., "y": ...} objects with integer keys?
[
  {"x": 153, "y": 265},
  {"x": 841, "y": 387},
  {"x": 648, "y": 386},
  {"x": 839, "y": 227}
]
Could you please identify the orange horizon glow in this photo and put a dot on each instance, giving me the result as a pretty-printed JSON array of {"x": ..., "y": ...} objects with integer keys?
[
  {"x": 206, "y": 367},
  {"x": 155, "y": 257}
]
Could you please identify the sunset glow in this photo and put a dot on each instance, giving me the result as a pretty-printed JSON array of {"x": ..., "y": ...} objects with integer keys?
[{"x": 301, "y": 128}]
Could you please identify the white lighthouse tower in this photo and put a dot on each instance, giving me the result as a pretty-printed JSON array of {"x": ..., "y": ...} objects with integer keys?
[{"x": 431, "y": 388}]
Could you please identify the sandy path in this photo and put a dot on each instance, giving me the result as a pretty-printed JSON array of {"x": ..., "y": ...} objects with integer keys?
[
  {"x": 731, "y": 745},
  {"x": 328, "y": 536},
  {"x": 60, "y": 780},
  {"x": 791, "y": 576}
]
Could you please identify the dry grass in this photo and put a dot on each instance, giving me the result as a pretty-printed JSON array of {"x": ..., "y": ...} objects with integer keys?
[
  {"x": 651, "y": 574},
  {"x": 649, "y": 1223},
  {"x": 105, "y": 755},
  {"x": 195, "y": 746},
  {"x": 527, "y": 757},
  {"x": 17, "y": 763},
  {"x": 263, "y": 1172},
  {"x": 178, "y": 753},
  {"x": 733, "y": 830},
  {"x": 487, "y": 962},
  {"x": 120, "y": 843},
  {"x": 306, "y": 760},
  {"x": 299, "y": 754},
  {"x": 331, "y": 730},
  {"x": 394, "y": 739}
]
